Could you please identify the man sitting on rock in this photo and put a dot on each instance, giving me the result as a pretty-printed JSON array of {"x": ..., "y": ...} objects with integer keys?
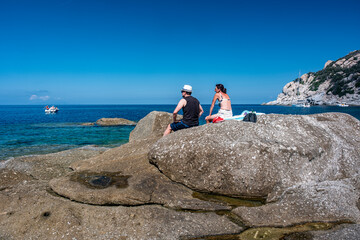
[{"x": 192, "y": 110}]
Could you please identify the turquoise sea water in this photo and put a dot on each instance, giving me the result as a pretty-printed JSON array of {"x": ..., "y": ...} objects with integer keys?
[{"x": 26, "y": 130}]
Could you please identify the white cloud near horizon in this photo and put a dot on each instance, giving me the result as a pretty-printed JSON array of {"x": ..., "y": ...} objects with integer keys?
[{"x": 36, "y": 97}]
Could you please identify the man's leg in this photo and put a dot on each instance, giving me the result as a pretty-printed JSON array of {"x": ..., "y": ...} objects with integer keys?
[{"x": 167, "y": 131}]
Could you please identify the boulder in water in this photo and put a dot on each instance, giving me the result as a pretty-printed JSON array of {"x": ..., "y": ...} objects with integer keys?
[{"x": 114, "y": 122}]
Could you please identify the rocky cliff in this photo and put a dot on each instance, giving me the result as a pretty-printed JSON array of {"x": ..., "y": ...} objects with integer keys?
[{"x": 338, "y": 82}]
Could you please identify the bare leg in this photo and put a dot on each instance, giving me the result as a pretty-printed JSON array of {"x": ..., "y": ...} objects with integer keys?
[
  {"x": 207, "y": 120},
  {"x": 210, "y": 118},
  {"x": 167, "y": 131}
]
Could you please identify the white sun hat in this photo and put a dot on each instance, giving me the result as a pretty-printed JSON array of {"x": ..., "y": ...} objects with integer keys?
[{"x": 187, "y": 88}]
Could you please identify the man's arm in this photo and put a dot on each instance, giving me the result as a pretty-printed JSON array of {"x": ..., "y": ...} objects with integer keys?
[
  {"x": 201, "y": 110},
  {"x": 180, "y": 105}
]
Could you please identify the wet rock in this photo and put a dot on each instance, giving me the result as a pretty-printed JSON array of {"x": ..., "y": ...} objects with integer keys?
[
  {"x": 114, "y": 122},
  {"x": 297, "y": 232},
  {"x": 152, "y": 125},
  {"x": 343, "y": 232},
  {"x": 100, "y": 181},
  {"x": 328, "y": 201}
]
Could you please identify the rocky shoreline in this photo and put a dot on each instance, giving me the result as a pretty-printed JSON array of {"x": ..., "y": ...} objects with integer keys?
[
  {"x": 337, "y": 83},
  {"x": 285, "y": 177}
]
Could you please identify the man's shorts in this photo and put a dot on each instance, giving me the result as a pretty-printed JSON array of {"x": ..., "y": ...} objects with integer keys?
[{"x": 178, "y": 126}]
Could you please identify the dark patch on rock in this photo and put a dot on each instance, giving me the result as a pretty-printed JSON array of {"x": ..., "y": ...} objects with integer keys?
[
  {"x": 101, "y": 180},
  {"x": 299, "y": 236},
  {"x": 10, "y": 213},
  {"x": 230, "y": 201},
  {"x": 323, "y": 119},
  {"x": 46, "y": 214}
]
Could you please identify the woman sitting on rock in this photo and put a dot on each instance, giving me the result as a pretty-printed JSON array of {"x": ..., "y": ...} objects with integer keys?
[{"x": 224, "y": 103}]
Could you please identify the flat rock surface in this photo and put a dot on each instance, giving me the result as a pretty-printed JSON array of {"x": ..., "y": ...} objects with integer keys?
[
  {"x": 52, "y": 165},
  {"x": 28, "y": 211}
]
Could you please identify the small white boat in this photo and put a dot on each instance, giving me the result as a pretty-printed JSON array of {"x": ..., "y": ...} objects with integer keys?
[
  {"x": 51, "y": 109},
  {"x": 343, "y": 105},
  {"x": 306, "y": 105},
  {"x": 302, "y": 104}
]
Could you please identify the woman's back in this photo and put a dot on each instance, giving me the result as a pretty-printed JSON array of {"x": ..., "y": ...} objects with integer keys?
[{"x": 224, "y": 101}]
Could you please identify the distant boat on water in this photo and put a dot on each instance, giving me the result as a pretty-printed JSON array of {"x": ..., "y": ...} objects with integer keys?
[
  {"x": 302, "y": 103},
  {"x": 52, "y": 109},
  {"x": 343, "y": 105}
]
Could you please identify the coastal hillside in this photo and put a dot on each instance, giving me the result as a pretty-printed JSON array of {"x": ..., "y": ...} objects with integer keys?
[{"x": 338, "y": 82}]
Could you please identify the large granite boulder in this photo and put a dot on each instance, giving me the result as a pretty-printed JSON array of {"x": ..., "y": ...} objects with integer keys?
[
  {"x": 245, "y": 159},
  {"x": 152, "y": 126},
  {"x": 266, "y": 159},
  {"x": 114, "y": 122}
]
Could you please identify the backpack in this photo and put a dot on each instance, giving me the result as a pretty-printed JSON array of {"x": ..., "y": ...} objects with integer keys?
[{"x": 250, "y": 117}]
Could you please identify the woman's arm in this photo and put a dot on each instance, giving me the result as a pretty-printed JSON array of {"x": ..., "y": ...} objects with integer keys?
[{"x": 213, "y": 103}]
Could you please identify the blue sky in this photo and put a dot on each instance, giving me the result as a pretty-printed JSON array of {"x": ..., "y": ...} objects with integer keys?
[{"x": 131, "y": 52}]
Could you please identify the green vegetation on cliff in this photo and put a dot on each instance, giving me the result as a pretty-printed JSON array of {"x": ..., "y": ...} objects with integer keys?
[{"x": 339, "y": 76}]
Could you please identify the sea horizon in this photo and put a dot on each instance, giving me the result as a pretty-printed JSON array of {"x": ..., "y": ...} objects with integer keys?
[{"x": 27, "y": 130}]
